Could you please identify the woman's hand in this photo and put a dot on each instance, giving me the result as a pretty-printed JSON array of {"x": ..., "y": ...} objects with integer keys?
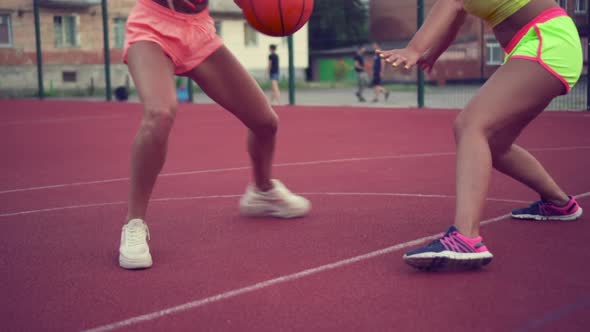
[{"x": 407, "y": 57}]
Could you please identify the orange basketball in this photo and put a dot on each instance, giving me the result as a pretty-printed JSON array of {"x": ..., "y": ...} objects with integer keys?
[{"x": 277, "y": 17}]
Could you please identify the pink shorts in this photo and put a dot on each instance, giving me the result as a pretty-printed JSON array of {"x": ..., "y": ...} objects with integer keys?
[{"x": 188, "y": 39}]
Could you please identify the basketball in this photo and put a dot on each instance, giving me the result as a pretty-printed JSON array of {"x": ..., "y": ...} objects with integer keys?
[{"x": 277, "y": 18}]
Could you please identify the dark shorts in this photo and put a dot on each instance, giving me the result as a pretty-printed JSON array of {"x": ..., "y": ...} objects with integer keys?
[
  {"x": 376, "y": 80},
  {"x": 274, "y": 76}
]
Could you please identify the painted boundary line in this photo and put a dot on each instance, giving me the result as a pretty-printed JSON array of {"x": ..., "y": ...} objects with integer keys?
[
  {"x": 264, "y": 284},
  {"x": 301, "y": 163},
  {"x": 276, "y": 281},
  {"x": 186, "y": 198},
  {"x": 61, "y": 120}
]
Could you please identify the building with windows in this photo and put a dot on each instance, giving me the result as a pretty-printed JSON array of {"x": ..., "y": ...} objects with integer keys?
[
  {"x": 475, "y": 55},
  {"x": 251, "y": 47},
  {"x": 72, "y": 44}
]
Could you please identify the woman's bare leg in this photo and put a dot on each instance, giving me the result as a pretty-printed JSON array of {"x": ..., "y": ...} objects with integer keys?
[
  {"x": 486, "y": 130},
  {"x": 153, "y": 74},
  {"x": 225, "y": 80}
]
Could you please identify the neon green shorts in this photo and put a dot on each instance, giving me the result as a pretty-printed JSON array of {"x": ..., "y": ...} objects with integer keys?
[{"x": 552, "y": 40}]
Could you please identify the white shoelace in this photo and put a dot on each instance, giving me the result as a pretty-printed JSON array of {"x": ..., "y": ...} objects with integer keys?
[{"x": 137, "y": 235}]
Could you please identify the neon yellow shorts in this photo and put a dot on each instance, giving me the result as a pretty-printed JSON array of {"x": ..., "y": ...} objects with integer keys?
[{"x": 552, "y": 40}]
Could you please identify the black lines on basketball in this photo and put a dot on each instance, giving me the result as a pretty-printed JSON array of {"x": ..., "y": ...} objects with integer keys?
[
  {"x": 300, "y": 14},
  {"x": 258, "y": 20},
  {"x": 281, "y": 16},
  {"x": 277, "y": 18}
]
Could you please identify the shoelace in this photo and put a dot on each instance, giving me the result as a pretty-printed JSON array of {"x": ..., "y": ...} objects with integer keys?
[
  {"x": 137, "y": 235},
  {"x": 440, "y": 240}
]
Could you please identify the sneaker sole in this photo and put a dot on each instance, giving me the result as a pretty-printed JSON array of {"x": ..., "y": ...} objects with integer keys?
[
  {"x": 135, "y": 263},
  {"x": 449, "y": 261},
  {"x": 568, "y": 217}
]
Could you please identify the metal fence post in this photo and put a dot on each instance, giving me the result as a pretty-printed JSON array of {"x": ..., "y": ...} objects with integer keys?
[
  {"x": 107, "y": 50},
  {"x": 189, "y": 89},
  {"x": 41, "y": 90},
  {"x": 420, "y": 72},
  {"x": 291, "y": 71}
]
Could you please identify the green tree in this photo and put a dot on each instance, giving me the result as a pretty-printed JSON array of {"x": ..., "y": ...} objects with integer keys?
[{"x": 338, "y": 23}]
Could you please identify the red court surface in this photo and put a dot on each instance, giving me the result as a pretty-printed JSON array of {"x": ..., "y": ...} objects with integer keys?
[{"x": 380, "y": 181}]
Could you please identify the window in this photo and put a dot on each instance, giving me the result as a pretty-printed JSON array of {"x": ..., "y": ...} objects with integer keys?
[
  {"x": 495, "y": 54},
  {"x": 562, "y": 3},
  {"x": 119, "y": 27},
  {"x": 250, "y": 36},
  {"x": 5, "y": 31},
  {"x": 66, "y": 31},
  {"x": 581, "y": 6},
  {"x": 69, "y": 76}
]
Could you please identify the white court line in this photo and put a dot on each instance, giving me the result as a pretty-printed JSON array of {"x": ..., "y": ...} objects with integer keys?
[
  {"x": 411, "y": 195},
  {"x": 61, "y": 208},
  {"x": 61, "y": 120},
  {"x": 170, "y": 199},
  {"x": 240, "y": 168},
  {"x": 301, "y": 163},
  {"x": 280, "y": 280}
]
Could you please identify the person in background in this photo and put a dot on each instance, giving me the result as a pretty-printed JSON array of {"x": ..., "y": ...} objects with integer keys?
[
  {"x": 361, "y": 74},
  {"x": 273, "y": 74},
  {"x": 378, "y": 68}
]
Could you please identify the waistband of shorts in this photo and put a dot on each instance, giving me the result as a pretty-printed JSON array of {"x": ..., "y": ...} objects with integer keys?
[
  {"x": 545, "y": 16},
  {"x": 168, "y": 12}
]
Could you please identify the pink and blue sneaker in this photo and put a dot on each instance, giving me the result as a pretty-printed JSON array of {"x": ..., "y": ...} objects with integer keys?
[
  {"x": 452, "y": 251},
  {"x": 545, "y": 210}
]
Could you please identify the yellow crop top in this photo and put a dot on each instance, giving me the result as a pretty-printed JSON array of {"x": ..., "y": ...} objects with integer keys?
[{"x": 493, "y": 11}]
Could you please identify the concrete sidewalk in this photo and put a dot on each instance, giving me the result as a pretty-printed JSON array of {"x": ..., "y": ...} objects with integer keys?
[{"x": 451, "y": 96}]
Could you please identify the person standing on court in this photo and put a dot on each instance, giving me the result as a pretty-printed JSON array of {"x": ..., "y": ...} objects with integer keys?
[
  {"x": 273, "y": 73},
  {"x": 378, "y": 68},
  {"x": 165, "y": 38},
  {"x": 362, "y": 77}
]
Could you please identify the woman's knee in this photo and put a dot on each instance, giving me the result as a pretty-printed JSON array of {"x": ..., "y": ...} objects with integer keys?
[
  {"x": 472, "y": 122},
  {"x": 158, "y": 120},
  {"x": 268, "y": 126},
  {"x": 464, "y": 126}
]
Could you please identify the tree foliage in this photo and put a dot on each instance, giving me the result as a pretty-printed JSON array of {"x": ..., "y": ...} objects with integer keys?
[{"x": 338, "y": 23}]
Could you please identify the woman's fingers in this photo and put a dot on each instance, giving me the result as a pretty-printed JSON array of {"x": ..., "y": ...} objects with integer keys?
[
  {"x": 410, "y": 63},
  {"x": 398, "y": 58}
]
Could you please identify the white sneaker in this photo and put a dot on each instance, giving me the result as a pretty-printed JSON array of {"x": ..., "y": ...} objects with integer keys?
[
  {"x": 278, "y": 202},
  {"x": 134, "y": 252}
]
